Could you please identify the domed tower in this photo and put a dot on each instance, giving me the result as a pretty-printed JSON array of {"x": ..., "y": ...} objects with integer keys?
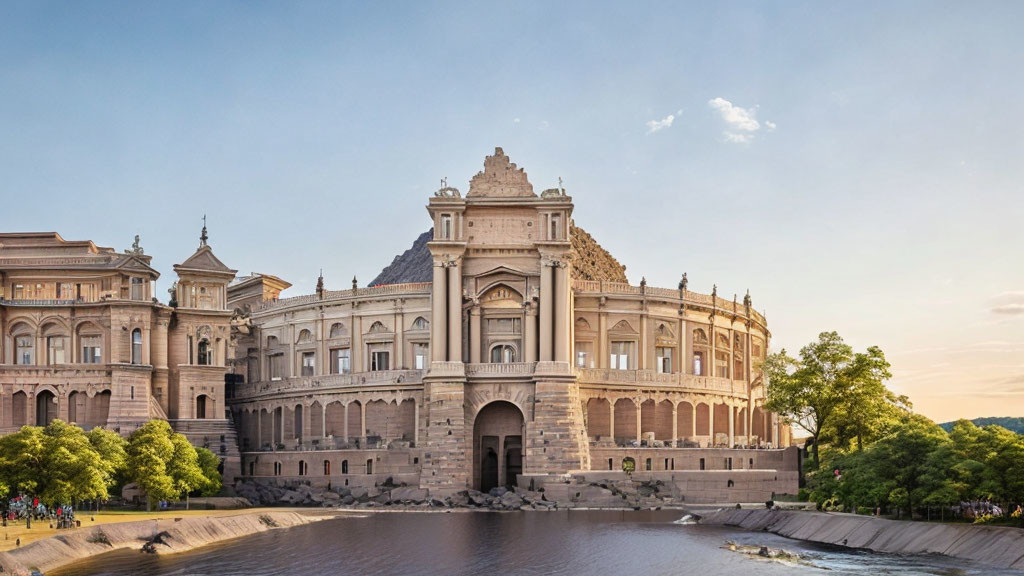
[{"x": 198, "y": 352}]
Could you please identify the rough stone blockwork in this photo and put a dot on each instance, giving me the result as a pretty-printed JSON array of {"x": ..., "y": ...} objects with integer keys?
[{"x": 445, "y": 466}]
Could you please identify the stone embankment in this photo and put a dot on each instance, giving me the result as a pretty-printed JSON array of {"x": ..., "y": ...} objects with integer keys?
[
  {"x": 996, "y": 546},
  {"x": 164, "y": 535},
  {"x": 612, "y": 495}
]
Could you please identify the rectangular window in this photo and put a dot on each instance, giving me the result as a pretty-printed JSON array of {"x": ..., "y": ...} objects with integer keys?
[
  {"x": 138, "y": 289},
  {"x": 54, "y": 350},
  {"x": 276, "y": 366},
  {"x": 419, "y": 354},
  {"x": 18, "y": 292},
  {"x": 23, "y": 350},
  {"x": 92, "y": 347},
  {"x": 379, "y": 360},
  {"x": 728, "y": 463},
  {"x": 308, "y": 363},
  {"x": 584, "y": 355},
  {"x": 340, "y": 361},
  {"x": 698, "y": 363},
  {"x": 701, "y": 463},
  {"x": 620, "y": 356},
  {"x": 446, "y": 226},
  {"x": 555, "y": 228},
  {"x": 664, "y": 357}
]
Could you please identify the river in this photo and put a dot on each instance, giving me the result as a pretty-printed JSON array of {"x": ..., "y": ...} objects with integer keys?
[{"x": 492, "y": 544}]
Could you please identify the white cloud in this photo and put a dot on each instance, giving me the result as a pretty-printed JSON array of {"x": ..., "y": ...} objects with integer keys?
[
  {"x": 515, "y": 120},
  {"x": 655, "y": 125},
  {"x": 738, "y": 138},
  {"x": 741, "y": 123}
]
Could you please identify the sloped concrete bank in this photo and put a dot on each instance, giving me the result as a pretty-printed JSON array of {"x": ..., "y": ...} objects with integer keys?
[
  {"x": 169, "y": 535},
  {"x": 996, "y": 546}
]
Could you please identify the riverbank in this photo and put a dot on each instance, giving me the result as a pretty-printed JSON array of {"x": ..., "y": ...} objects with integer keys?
[
  {"x": 996, "y": 546},
  {"x": 169, "y": 533}
]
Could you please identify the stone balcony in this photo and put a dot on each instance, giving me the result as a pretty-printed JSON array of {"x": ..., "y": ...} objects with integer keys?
[
  {"x": 511, "y": 370},
  {"x": 652, "y": 378},
  {"x": 326, "y": 383}
]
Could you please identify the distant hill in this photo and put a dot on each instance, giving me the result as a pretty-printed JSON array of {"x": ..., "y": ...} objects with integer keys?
[{"x": 1010, "y": 423}]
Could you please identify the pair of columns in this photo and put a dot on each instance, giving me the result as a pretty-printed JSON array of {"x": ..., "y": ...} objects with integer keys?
[
  {"x": 555, "y": 337},
  {"x": 446, "y": 312}
]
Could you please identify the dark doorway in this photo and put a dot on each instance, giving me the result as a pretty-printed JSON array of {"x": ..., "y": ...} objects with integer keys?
[
  {"x": 46, "y": 408},
  {"x": 498, "y": 432}
]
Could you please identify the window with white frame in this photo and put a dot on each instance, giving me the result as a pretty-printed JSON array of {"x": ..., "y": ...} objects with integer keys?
[
  {"x": 446, "y": 226},
  {"x": 380, "y": 360},
  {"x": 276, "y": 366},
  {"x": 341, "y": 361},
  {"x": 584, "y": 355},
  {"x": 137, "y": 346},
  {"x": 308, "y": 363},
  {"x": 663, "y": 355},
  {"x": 698, "y": 363},
  {"x": 621, "y": 353},
  {"x": 23, "y": 350},
  {"x": 503, "y": 354},
  {"x": 54, "y": 350},
  {"x": 420, "y": 356},
  {"x": 92, "y": 349},
  {"x": 138, "y": 288}
]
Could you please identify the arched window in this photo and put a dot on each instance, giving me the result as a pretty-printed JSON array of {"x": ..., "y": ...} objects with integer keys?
[
  {"x": 327, "y": 467},
  {"x": 503, "y": 354},
  {"x": 420, "y": 323},
  {"x": 302, "y": 467},
  {"x": 305, "y": 336},
  {"x": 337, "y": 330},
  {"x": 377, "y": 327},
  {"x": 344, "y": 466},
  {"x": 137, "y": 346},
  {"x": 205, "y": 353}
]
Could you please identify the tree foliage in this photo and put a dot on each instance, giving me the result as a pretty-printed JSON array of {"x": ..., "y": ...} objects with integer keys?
[{"x": 835, "y": 394}]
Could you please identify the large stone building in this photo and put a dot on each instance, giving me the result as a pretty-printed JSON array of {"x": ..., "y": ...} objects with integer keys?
[
  {"x": 85, "y": 340},
  {"x": 505, "y": 347}
]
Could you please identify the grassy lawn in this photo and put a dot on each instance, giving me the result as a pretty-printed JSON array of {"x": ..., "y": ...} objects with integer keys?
[{"x": 41, "y": 529}]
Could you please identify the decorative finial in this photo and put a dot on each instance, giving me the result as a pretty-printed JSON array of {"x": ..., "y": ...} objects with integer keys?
[
  {"x": 714, "y": 292},
  {"x": 355, "y": 283},
  {"x": 203, "y": 237},
  {"x": 320, "y": 285},
  {"x": 746, "y": 300},
  {"x": 643, "y": 281},
  {"x": 683, "y": 282}
]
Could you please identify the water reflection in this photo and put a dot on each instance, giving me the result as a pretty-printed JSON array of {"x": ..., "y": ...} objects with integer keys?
[{"x": 564, "y": 542}]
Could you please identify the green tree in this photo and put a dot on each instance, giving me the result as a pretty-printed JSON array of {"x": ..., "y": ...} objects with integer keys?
[
  {"x": 111, "y": 447},
  {"x": 22, "y": 460},
  {"x": 184, "y": 466},
  {"x": 209, "y": 464},
  {"x": 74, "y": 470},
  {"x": 825, "y": 383},
  {"x": 149, "y": 450}
]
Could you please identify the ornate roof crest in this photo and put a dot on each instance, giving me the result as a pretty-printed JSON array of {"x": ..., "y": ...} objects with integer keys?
[{"x": 500, "y": 178}]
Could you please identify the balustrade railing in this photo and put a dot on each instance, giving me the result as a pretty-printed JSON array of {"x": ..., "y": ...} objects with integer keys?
[
  {"x": 383, "y": 290},
  {"x": 710, "y": 383},
  {"x": 506, "y": 369},
  {"x": 689, "y": 297},
  {"x": 327, "y": 382}
]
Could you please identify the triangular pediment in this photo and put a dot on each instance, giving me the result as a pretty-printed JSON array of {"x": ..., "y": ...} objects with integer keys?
[
  {"x": 204, "y": 261},
  {"x": 129, "y": 262}
]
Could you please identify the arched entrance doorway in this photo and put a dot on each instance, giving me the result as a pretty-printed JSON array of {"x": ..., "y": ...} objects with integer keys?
[
  {"x": 204, "y": 407},
  {"x": 497, "y": 446},
  {"x": 46, "y": 407}
]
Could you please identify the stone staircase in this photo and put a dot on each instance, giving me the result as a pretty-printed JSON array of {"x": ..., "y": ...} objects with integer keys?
[{"x": 218, "y": 436}]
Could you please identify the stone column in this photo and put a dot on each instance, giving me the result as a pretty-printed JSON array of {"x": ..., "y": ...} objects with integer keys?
[
  {"x": 362, "y": 420},
  {"x": 530, "y": 340},
  {"x": 693, "y": 418},
  {"x": 711, "y": 424},
  {"x": 438, "y": 317},
  {"x": 643, "y": 352},
  {"x": 546, "y": 312},
  {"x": 344, "y": 432},
  {"x": 307, "y": 422},
  {"x": 400, "y": 342},
  {"x": 639, "y": 430},
  {"x": 455, "y": 312},
  {"x": 611, "y": 418},
  {"x": 323, "y": 420},
  {"x": 259, "y": 429},
  {"x": 732, "y": 425},
  {"x": 416, "y": 423},
  {"x": 713, "y": 361},
  {"x": 675, "y": 423},
  {"x": 562, "y": 344},
  {"x": 602, "y": 340},
  {"x": 474, "y": 335},
  {"x": 356, "y": 350}
]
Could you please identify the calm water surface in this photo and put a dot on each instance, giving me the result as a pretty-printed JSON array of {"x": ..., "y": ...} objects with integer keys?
[{"x": 564, "y": 542}]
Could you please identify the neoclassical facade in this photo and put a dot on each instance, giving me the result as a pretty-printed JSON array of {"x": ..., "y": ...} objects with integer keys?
[
  {"x": 83, "y": 339},
  {"x": 509, "y": 366}
]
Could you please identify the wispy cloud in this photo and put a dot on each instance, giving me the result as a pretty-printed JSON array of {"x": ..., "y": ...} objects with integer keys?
[
  {"x": 1008, "y": 303},
  {"x": 656, "y": 125},
  {"x": 741, "y": 123}
]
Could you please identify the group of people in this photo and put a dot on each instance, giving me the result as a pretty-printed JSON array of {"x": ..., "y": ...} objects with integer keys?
[
  {"x": 22, "y": 507},
  {"x": 977, "y": 509}
]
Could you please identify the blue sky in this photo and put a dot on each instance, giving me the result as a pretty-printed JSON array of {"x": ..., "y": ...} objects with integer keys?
[{"x": 857, "y": 166}]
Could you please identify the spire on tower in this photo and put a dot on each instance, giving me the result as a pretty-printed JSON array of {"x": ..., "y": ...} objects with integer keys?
[{"x": 203, "y": 237}]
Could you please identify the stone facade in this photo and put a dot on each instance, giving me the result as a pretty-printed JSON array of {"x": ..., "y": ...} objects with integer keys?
[
  {"x": 506, "y": 367},
  {"x": 83, "y": 338}
]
